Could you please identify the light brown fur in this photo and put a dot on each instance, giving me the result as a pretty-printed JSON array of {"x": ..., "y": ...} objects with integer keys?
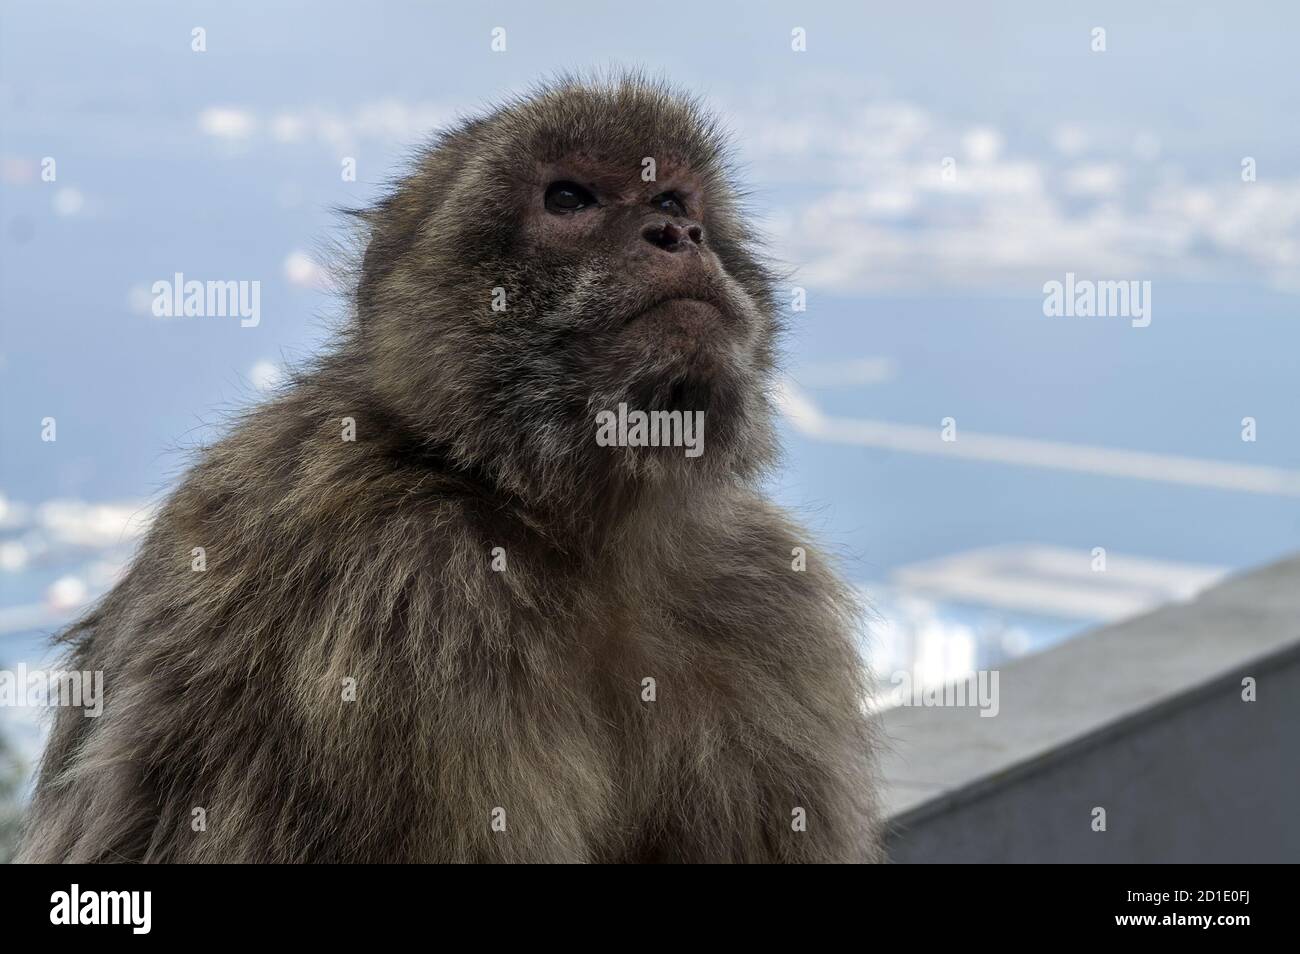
[{"x": 478, "y": 688}]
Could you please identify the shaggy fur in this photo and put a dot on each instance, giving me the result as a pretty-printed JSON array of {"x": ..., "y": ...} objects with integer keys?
[{"x": 479, "y": 687}]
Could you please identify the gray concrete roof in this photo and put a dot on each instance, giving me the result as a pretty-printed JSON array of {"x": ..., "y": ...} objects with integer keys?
[{"x": 1090, "y": 688}]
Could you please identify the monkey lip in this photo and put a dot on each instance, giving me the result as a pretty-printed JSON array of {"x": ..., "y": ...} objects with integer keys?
[{"x": 692, "y": 315}]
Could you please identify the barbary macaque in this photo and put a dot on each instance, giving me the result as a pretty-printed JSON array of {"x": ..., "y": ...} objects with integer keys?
[{"x": 435, "y": 619}]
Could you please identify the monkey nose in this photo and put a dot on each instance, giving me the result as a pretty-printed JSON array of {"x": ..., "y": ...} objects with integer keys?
[{"x": 672, "y": 237}]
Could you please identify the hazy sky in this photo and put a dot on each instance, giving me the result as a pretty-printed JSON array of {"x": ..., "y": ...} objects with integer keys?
[{"x": 925, "y": 292}]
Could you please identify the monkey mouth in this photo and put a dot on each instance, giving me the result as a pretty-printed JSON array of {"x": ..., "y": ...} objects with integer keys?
[
  {"x": 691, "y": 328},
  {"x": 689, "y": 313},
  {"x": 687, "y": 331}
]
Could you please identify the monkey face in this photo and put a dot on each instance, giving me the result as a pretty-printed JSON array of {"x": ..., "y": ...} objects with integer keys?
[
  {"x": 566, "y": 257},
  {"x": 652, "y": 315}
]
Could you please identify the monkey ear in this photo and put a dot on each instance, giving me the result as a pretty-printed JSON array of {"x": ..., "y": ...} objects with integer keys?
[
  {"x": 392, "y": 226},
  {"x": 375, "y": 263}
]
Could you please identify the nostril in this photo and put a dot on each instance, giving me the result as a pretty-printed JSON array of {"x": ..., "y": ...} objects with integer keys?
[
  {"x": 669, "y": 236},
  {"x": 664, "y": 235}
]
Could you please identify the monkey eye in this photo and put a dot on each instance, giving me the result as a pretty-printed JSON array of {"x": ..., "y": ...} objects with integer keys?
[
  {"x": 567, "y": 197},
  {"x": 669, "y": 202}
]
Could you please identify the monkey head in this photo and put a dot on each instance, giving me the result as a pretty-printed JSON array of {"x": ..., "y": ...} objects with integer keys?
[{"x": 572, "y": 252}]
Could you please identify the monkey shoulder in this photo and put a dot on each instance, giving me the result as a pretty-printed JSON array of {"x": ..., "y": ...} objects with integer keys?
[
  {"x": 290, "y": 530},
  {"x": 752, "y": 573},
  {"x": 753, "y": 538}
]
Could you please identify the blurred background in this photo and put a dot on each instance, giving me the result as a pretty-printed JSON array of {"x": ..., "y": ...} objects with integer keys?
[{"x": 923, "y": 169}]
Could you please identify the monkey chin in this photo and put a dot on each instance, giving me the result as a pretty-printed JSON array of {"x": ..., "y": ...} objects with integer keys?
[{"x": 685, "y": 339}]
